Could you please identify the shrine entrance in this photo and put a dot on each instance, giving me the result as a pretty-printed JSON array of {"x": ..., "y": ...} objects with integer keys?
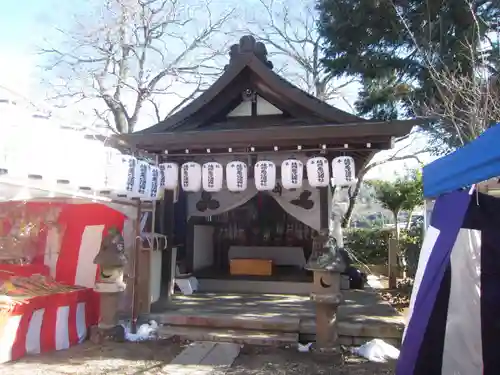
[{"x": 249, "y": 168}]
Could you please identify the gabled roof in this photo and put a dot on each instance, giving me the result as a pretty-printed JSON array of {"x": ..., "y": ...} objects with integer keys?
[{"x": 249, "y": 67}]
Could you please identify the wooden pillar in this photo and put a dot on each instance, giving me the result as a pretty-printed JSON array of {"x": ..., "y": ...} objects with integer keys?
[
  {"x": 167, "y": 226},
  {"x": 324, "y": 205}
]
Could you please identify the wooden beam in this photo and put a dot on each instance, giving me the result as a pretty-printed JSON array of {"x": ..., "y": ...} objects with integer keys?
[{"x": 298, "y": 135}]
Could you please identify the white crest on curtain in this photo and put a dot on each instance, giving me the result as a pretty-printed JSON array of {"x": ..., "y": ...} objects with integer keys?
[
  {"x": 203, "y": 203},
  {"x": 303, "y": 204}
]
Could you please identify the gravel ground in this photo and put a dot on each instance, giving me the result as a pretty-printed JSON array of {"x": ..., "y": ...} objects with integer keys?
[{"x": 150, "y": 358}]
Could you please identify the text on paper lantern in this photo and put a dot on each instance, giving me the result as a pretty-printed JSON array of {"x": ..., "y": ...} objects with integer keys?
[
  {"x": 318, "y": 172},
  {"x": 265, "y": 175},
  {"x": 292, "y": 174},
  {"x": 191, "y": 177},
  {"x": 212, "y": 176},
  {"x": 236, "y": 176},
  {"x": 169, "y": 176}
]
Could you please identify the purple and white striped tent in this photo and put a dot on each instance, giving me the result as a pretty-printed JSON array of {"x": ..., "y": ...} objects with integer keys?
[{"x": 454, "y": 320}]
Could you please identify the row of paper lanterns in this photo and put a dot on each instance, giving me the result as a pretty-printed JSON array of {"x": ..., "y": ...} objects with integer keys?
[
  {"x": 80, "y": 163},
  {"x": 210, "y": 176}
]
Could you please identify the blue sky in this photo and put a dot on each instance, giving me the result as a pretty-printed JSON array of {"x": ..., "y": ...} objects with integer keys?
[{"x": 22, "y": 22}]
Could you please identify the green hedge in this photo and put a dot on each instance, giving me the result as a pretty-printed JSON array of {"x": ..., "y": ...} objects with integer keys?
[
  {"x": 367, "y": 246},
  {"x": 370, "y": 246}
]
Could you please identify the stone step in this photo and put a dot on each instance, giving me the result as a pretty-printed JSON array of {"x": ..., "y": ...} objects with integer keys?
[
  {"x": 238, "y": 322},
  {"x": 252, "y": 286},
  {"x": 251, "y": 337},
  {"x": 377, "y": 329}
]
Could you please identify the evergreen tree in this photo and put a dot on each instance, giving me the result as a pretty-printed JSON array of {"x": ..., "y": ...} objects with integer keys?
[{"x": 400, "y": 48}]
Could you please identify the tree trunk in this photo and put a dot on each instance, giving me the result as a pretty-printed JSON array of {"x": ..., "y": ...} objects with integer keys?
[
  {"x": 408, "y": 221},
  {"x": 396, "y": 229},
  {"x": 353, "y": 196}
]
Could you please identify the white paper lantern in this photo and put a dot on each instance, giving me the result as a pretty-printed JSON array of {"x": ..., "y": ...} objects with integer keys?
[
  {"x": 292, "y": 173},
  {"x": 265, "y": 175},
  {"x": 318, "y": 172},
  {"x": 120, "y": 175},
  {"x": 212, "y": 176},
  {"x": 156, "y": 191},
  {"x": 169, "y": 176},
  {"x": 191, "y": 177},
  {"x": 236, "y": 176},
  {"x": 343, "y": 171},
  {"x": 142, "y": 171}
]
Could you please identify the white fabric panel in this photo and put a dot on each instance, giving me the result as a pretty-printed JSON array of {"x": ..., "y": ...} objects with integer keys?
[
  {"x": 463, "y": 352},
  {"x": 302, "y": 204},
  {"x": 430, "y": 239},
  {"x": 8, "y": 337},
  {"x": 201, "y": 203},
  {"x": 34, "y": 332},
  {"x": 62, "y": 328},
  {"x": 81, "y": 323},
  {"x": 89, "y": 247}
]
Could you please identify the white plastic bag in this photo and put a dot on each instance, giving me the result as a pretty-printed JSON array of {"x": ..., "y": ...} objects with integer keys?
[{"x": 377, "y": 351}]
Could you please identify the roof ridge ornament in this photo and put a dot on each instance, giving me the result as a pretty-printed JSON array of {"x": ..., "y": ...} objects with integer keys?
[{"x": 248, "y": 45}]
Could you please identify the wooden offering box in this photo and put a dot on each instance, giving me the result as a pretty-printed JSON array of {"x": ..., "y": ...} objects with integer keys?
[{"x": 251, "y": 267}]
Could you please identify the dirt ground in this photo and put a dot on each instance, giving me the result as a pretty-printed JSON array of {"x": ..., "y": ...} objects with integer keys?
[
  {"x": 89, "y": 359},
  {"x": 266, "y": 361},
  {"x": 151, "y": 358}
]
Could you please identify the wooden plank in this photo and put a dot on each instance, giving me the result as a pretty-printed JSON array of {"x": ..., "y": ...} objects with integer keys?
[
  {"x": 222, "y": 355},
  {"x": 194, "y": 353}
]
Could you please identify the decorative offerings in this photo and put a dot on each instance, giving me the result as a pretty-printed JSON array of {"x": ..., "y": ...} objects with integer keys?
[
  {"x": 155, "y": 189},
  {"x": 169, "y": 176},
  {"x": 318, "y": 172},
  {"x": 292, "y": 173},
  {"x": 212, "y": 176},
  {"x": 265, "y": 175},
  {"x": 236, "y": 176},
  {"x": 343, "y": 172},
  {"x": 191, "y": 177}
]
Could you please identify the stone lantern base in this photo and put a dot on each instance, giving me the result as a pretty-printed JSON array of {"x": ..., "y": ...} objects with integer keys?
[{"x": 108, "y": 327}]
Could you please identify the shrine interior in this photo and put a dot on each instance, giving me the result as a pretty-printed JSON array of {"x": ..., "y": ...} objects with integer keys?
[{"x": 257, "y": 241}]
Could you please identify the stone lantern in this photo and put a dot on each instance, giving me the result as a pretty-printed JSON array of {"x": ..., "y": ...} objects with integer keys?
[
  {"x": 326, "y": 264},
  {"x": 110, "y": 285}
]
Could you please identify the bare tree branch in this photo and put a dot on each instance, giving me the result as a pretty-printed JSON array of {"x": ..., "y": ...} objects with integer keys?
[
  {"x": 135, "y": 53},
  {"x": 289, "y": 28}
]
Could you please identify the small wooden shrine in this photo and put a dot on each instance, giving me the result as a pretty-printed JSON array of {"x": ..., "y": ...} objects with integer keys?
[{"x": 252, "y": 115}]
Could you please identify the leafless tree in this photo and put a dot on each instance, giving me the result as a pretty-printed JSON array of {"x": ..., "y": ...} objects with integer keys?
[
  {"x": 466, "y": 106},
  {"x": 288, "y": 28},
  {"x": 138, "y": 53}
]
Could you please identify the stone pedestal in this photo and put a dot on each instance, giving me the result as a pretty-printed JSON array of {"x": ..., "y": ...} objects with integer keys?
[
  {"x": 326, "y": 264},
  {"x": 108, "y": 327},
  {"x": 327, "y": 297},
  {"x": 110, "y": 287}
]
